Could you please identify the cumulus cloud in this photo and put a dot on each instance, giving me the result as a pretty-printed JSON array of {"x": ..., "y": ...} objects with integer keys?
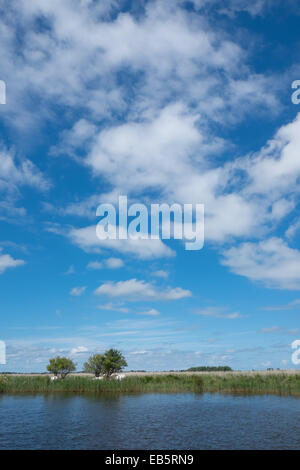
[
  {"x": 7, "y": 261},
  {"x": 74, "y": 139},
  {"x": 16, "y": 173},
  {"x": 135, "y": 290},
  {"x": 164, "y": 139},
  {"x": 161, "y": 273},
  {"x": 292, "y": 229},
  {"x": 243, "y": 197},
  {"x": 111, "y": 263},
  {"x": 148, "y": 152},
  {"x": 276, "y": 168},
  {"x": 22, "y": 172},
  {"x": 165, "y": 42},
  {"x": 95, "y": 265},
  {"x": 114, "y": 263},
  {"x": 87, "y": 239},
  {"x": 270, "y": 261},
  {"x": 77, "y": 291}
]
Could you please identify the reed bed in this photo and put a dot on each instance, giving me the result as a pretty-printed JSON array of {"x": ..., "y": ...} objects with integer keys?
[{"x": 229, "y": 383}]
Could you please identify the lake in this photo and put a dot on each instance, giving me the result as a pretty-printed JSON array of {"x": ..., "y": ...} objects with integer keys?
[{"x": 149, "y": 421}]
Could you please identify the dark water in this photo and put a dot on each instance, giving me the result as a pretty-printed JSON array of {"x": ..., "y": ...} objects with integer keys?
[{"x": 150, "y": 421}]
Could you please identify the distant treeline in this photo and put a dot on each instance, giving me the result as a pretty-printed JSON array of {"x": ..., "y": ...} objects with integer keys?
[{"x": 209, "y": 369}]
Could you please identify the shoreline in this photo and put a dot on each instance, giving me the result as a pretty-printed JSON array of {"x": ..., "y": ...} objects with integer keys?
[{"x": 254, "y": 383}]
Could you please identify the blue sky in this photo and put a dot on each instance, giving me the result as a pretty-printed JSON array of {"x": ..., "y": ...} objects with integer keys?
[{"x": 162, "y": 101}]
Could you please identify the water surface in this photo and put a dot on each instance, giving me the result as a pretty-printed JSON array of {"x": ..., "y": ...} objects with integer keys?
[{"x": 149, "y": 421}]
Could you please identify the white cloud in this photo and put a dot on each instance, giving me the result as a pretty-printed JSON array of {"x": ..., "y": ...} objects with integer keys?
[
  {"x": 74, "y": 139},
  {"x": 7, "y": 261},
  {"x": 164, "y": 141},
  {"x": 166, "y": 43},
  {"x": 292, "y": 229},
  {"x": 231, "y": 7},
  {"x": 238, "y": 200},
  {"x": 77, "y": 291},
  {"x": 78, "y": 350},
  {"x": 87, "y": 239},
  {"x": 270, "y": 261},
  {"x": 152, "y": 313},
  {"x": 95, "y": 265},
  {"x": 85, "y": 207},
  {"x": 276, "y": 167},
  {"x": 140, "y": 290},
  {"x": 161, "y": 273},
  {"x": 14, "y": 174},
  {"x": 22, "y": 172},
  {"x": 114, "y": 307},
  {"x": 114, "y": 263},
  {"x": 110, "y": 263},
  {"x": 217, "y": 312},
  {"x": 146, "y": 154},
  {"x": 139, "y": 353}
]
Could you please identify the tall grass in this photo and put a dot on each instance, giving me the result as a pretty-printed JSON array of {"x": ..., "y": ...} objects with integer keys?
[
  {"x": 161, "y": 383},
  {"x": 272, "y": 383}
]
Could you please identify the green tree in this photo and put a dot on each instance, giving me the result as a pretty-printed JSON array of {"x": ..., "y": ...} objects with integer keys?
[
  {"x": 94, "y": 365},
  {"x": 61, "y": 366},
  {"x": 114, "y": 362}
]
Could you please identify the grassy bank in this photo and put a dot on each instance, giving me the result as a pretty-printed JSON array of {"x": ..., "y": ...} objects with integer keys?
[{"x": 229, "y": 383}]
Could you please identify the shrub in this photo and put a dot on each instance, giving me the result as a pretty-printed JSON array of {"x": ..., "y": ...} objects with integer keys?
[{"x": 61, "y": 366}]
